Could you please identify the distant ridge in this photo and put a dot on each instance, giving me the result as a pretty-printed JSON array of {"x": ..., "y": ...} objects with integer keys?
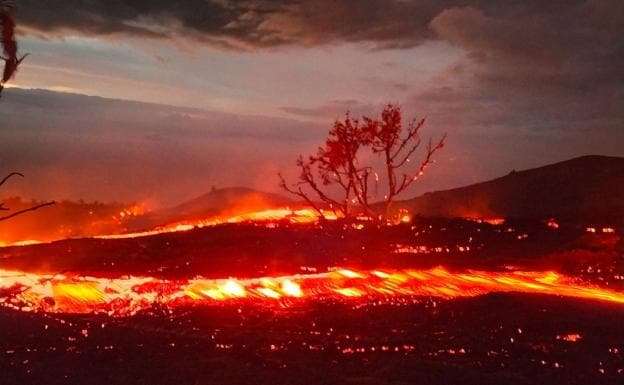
[
  {"x": 587, "y": 188},
  {"x": 584, "y": 189},
  {"x": 227, "y": 201},
  {"x": 230, "y": 198}
]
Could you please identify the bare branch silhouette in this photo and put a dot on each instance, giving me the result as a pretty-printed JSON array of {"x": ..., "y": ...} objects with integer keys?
[
  {"x": 396, "y": 145},
  {"x": 9, "y": 176},
  {"x": 338, "y": 165},
  {"x": 22, "y": 211}
]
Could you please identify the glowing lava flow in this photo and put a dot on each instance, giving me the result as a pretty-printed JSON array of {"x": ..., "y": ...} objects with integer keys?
[
  {"x": 126, "y": 296},
  {"x": 269, "y": 216}
]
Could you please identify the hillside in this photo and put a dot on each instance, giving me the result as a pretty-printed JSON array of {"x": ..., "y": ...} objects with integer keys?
[
  {"x": 68, "y": 219},
  {"x": 228, "y": 201},
  {"x": 65, "y": 219},
  {"x": 588, "y": 188}
]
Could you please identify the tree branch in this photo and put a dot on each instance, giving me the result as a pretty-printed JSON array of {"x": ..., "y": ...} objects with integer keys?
[
  {"x": 299, "y": 192},
  {"x": 412, "y": 133},
  {"x": 9, "y": 176},
  {"x": 431, "y": 149},
  {"x": 4, "y": 218}
]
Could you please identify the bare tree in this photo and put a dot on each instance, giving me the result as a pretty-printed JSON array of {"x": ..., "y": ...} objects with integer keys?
[
  {"x": 338, "y": 166},
  {"x": 22, "y": 211},
  {"x": 335, "y": 166},
  {"x": 396, "y": 146}
]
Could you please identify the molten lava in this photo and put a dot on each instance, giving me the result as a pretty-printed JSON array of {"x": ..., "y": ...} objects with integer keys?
[
  {"x": 126, "y": 296},
  {"x": 267, "y": 217}
]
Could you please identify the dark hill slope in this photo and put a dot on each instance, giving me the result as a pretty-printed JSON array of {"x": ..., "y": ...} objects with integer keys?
[{"x": 588, "y": 188}]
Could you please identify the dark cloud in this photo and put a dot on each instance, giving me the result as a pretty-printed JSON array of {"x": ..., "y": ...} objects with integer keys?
[
  {"x": 386, "y": 23},
  {"x": 238, "y": 24},
  {"x": 535, "y": 66},
  {"x": 557, "y": 58},
  {"x": 556, "y": 51}
]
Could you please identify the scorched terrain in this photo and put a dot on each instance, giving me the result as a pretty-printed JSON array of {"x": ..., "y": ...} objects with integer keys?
[{"x": 427, "y": 301}]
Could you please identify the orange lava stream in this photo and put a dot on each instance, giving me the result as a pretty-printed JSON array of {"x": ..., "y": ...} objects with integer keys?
[
  {"x": 266, "y": 217},
  {"x": 126, "y": 296}
]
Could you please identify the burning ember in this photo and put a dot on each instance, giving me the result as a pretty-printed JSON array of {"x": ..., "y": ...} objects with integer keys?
[
  {"x": 126, "y": 296},
  {"x": 490, "y": 221}
]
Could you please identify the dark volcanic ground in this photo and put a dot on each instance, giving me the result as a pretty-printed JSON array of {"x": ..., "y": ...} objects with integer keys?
[
  {"x": 492, "y": 339},
  {"x": 252, "y": 250}
]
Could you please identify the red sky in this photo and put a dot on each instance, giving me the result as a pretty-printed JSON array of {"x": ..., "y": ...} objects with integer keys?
[{"x": 243, "y": 87}]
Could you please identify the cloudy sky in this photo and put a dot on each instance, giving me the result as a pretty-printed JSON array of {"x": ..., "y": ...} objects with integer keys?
[{"x": 158, "y": 101}]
